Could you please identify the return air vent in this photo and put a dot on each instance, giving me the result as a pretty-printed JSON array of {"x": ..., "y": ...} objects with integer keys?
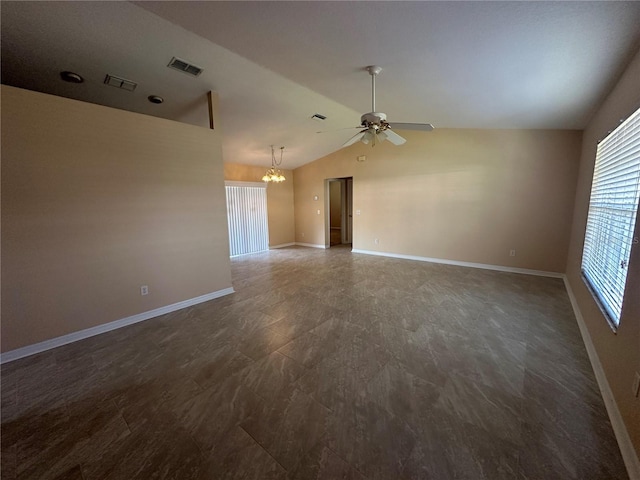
[
  {"x": 185, "y": 67},
  {"x": 118, "y": 82}
]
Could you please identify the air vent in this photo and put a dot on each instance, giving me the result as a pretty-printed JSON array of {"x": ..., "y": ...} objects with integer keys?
[
  {"x": 118, "y": 82},
  {"x": 317, "y": 116},
  {"x": 185, "y": 67}
]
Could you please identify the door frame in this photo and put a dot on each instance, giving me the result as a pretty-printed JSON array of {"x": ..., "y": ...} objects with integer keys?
[{"x": 347, "y": 219}]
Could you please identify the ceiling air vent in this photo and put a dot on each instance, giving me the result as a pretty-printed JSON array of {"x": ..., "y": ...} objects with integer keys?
[
  {"x": 185, "y": 67},
  {"x": 118, "y": 82},
  {"x": 318, "y": 116}
]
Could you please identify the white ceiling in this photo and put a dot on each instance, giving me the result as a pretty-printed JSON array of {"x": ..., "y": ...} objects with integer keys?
[{"x": 274, "y": 64}]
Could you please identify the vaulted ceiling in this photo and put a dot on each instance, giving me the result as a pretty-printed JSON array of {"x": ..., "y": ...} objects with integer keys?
[{"x": 275, "y": 64}]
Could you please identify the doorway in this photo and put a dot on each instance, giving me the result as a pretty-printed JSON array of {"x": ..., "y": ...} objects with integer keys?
[{"x": 340, "y": 219}]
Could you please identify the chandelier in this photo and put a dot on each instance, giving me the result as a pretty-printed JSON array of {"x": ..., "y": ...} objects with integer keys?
[{"x": 274, "y": 174}]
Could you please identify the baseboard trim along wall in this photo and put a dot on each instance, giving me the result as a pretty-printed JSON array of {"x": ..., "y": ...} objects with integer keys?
[
  {"x": 249, "y": 253},
  {"x": 622, "y": 436},
  {"x": 500, "y": 268},
  {"x": 312, "y": 245},
  {"x": 282, "y": 245},
  {"x": 629, "y": 455},
  {"x": 107, "y": 327}
]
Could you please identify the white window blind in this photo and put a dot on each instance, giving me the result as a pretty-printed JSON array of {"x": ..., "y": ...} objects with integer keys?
[
  {"x": 247, "y": 217},
  {"x": 612, "y": 215}
]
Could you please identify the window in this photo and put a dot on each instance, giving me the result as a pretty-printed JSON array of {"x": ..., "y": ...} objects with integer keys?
[
  {"x": 612, "y": 216},
  {"x": 247, "y": 217}
]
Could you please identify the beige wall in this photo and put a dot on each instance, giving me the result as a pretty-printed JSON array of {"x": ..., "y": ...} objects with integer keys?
[
  {"x": 619, "y": 353},
  {"x": 97, "y": 202},
  {"x": 463, "y": 195},
  {"x": 279, "y": 200}
]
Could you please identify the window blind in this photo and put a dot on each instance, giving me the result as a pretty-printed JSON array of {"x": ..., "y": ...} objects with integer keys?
[
  {"x": 612, "y": 215},
  {"x": 247, "y": 218}
]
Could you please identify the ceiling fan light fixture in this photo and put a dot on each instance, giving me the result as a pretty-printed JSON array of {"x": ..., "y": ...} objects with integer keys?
[
  {"x": 375, "y": 124},
  {"x": 369, "y": 136}
]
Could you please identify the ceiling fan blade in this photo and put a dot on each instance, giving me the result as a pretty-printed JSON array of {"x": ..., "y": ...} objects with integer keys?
[
  {"x": 356, "y": 138},
  {"x": 338, "y": 129},
  {"x": 424, "y": 127},
  {"x": 393, "y": 137}
]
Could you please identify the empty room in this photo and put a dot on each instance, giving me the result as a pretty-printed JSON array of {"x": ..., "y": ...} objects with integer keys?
[{"x": 320, "y": 240}]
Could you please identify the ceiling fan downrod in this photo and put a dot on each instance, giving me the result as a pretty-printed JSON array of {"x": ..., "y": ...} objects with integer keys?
[{"x": 373, "y": 70}]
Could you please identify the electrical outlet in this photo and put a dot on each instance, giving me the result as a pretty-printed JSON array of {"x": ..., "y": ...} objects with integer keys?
[
  {"x": 376, "y": 241},
  {"x": 318, "y": 212},
  {"x": 636, "y": 384},
  {"x": 144, "y": 290},
  {"x": 512, "y": 253},
  {"x": 357, "y": 212}
]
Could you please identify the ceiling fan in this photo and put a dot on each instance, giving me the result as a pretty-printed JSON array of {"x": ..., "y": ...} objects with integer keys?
[{"x": 376, "y": 127}]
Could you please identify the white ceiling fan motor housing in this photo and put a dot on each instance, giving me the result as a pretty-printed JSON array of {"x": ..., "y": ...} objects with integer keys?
[{"x": 375, "y": 118}]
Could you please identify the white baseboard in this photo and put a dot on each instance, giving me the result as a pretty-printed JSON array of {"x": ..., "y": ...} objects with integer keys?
[
  {"x": 627, "y": 450},
  {"x": 107, "y": 327},
  {"x": 485, "y": 266},
  {"x": 629, "y": 455},
  {"x": 282, "y": 245},
  {"x": 248, "y": 253},
  {"x": 312, "y": 245}
]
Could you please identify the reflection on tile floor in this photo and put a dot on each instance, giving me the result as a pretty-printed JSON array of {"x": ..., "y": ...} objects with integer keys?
[{"x": 323, "y": 365}]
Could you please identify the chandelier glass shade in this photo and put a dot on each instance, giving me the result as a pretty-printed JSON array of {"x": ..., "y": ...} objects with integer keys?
[{"x": 274, "y": 174}]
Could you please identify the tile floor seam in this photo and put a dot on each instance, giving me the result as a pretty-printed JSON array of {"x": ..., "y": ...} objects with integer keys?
[
  {"x": 360, "y": 334},
  {"x": 264, "y": 448}
]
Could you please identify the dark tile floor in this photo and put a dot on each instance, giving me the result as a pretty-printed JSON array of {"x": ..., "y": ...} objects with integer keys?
[{"x": 323, "y": 365}]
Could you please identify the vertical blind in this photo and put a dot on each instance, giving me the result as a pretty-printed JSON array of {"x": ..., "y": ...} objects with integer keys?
[
  {"x": 247, "y": 218},
  {"x": 612, "y": 215}
]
